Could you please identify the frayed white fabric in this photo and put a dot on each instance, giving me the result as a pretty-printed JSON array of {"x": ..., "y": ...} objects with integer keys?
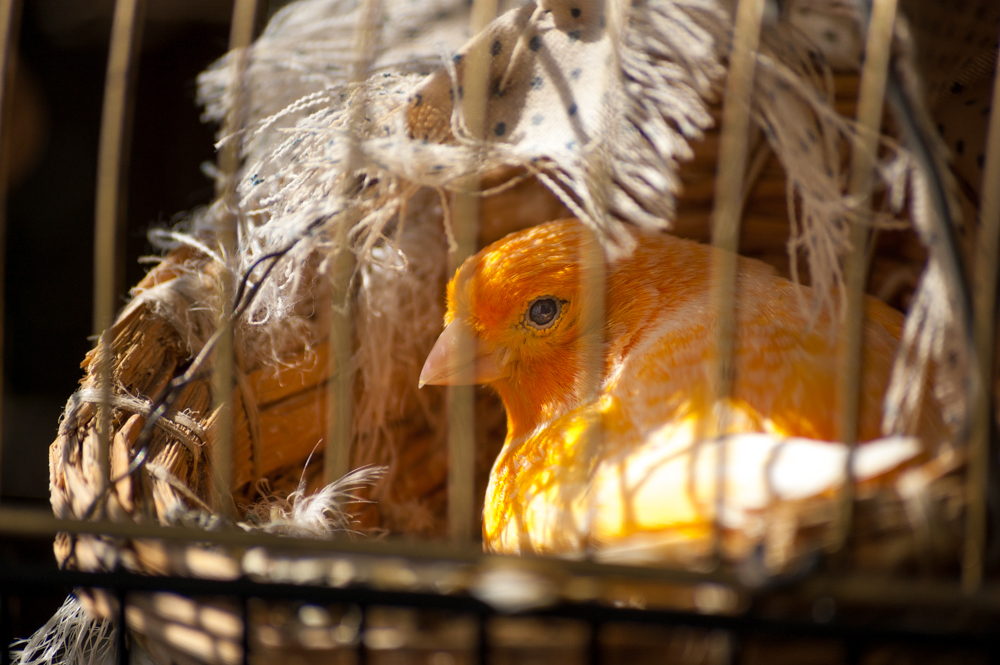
[{"x": 70, "y": 637}]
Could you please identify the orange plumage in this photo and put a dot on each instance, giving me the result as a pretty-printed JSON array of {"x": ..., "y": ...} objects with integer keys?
[{"x": 602, "y": 472}]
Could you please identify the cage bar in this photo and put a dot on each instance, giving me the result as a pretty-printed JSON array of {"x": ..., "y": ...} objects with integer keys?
[
  {"x": 116, "y": 121},
  {"x": 483, "y": 639},
  {"x": 121, "y": 630},
  {"x": 726, "y": 215},
  {"x": 874, "y": 74},
  {"x": 465, "y": 221},
  {"x": 5, "y": 628},
  {"x": 593, "y": 277},
  {"x": 360, "y": 650},
  {"x": 10, "y": 24},
  {"x": 984, "y": 303},
  {"x": 241, "y": 35},
  {"x": 340, "y": 394},
  {"x": 594, "y": 643},
  {"x": 245, "y": 633}
]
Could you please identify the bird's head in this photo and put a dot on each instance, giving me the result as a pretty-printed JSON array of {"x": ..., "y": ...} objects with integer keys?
[{"x": 516, "y": 307}]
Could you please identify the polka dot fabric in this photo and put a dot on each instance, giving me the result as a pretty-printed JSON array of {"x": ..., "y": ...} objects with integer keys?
[
  {"x": 951, "y": 36},
  {"x": 962, "y": 116},
  {"x": 559, "y": 93},
  {"x": 548, "y": 106}
]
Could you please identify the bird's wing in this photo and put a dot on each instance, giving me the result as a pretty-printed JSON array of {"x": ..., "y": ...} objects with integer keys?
[
  {"x": 585, "y": 482},
  {"x": 659, "y": 505},
  {"x": 786, "y": 366}
]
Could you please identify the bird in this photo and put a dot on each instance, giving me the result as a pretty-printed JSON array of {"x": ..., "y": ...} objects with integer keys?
[{"x": 625, "y": 471}]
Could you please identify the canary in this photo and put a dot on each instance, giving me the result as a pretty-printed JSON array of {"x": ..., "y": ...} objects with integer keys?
[{"x": 628, "y": 468}]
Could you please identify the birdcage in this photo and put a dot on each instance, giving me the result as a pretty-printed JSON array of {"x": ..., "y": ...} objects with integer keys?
[{"x": 250, "y": 471}]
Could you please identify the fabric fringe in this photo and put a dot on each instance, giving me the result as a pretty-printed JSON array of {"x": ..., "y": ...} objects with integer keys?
[{"x": 70, "y": 637}]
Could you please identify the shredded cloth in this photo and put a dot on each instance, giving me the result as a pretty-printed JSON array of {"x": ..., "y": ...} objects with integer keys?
[
  {"x": 600, "y": 106},
  {"x": 70, "y": 637}
]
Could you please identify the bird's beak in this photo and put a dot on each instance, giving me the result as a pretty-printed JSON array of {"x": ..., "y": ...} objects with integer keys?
[{"x": 444, "y": 366}]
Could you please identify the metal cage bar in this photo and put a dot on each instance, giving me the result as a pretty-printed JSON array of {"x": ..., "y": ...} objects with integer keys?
[
  {"x": 109, "y": 214},
  {"x": 10, "y": 22},
  {"x": 874, "y": 74},
  {"x": 726, "y": 214},
  {"x": 121, "y": 630},
  {"x": 465, "y": 220},
  {"x": 984, "y": 302},
  {"x": 242, "y": 30},
  {"x": 340, "y": 394},
  {"x": 30, "y": 580},
  {"x": 5, "y": 632}
]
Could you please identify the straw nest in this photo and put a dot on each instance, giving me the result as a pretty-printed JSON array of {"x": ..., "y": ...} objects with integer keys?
[{"x": 636, "y": 144}]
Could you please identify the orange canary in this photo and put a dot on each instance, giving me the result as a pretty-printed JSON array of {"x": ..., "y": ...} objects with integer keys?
[{"x": 621, "y": 472}]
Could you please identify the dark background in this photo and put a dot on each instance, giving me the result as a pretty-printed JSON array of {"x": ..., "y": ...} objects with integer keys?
[
  {"x": 55, "y": 126},
  {"x": 50, "y": 218}
]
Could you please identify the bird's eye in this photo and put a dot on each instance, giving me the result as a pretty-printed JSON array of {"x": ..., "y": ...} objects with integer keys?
[{"x": 543, "y": 312}]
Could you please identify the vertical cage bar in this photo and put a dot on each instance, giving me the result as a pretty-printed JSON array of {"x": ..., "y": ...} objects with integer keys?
[
  {"x": 360, "y": 652},
  {"x": 241, "y": 33},
  {"x": 482, "y": 639},
  {"x": 245, "y": 636},
  {"x": 6, "y": 633},
  {"x": 853, "y": 652},
  {"x": 729, "y": 183},
  {"x": 222, "y": 389},
  {"x": 121, "y": 630},
  {"x": 340, "y": 393},
  {"x": 736, "y": 641},
  {"x": 594, "y": 644},
  {"x": 243, "y": 27},
  {"x": 871, "y": 97},
  {"x": 109, "y": 214},
  {"x": 10, "y": 22},
  {"x": 339, "y": 412},
  {"x": 593, "y": 273},
  {"x": 984, "y": 307},
  {"x": 465, "y": 217}
]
